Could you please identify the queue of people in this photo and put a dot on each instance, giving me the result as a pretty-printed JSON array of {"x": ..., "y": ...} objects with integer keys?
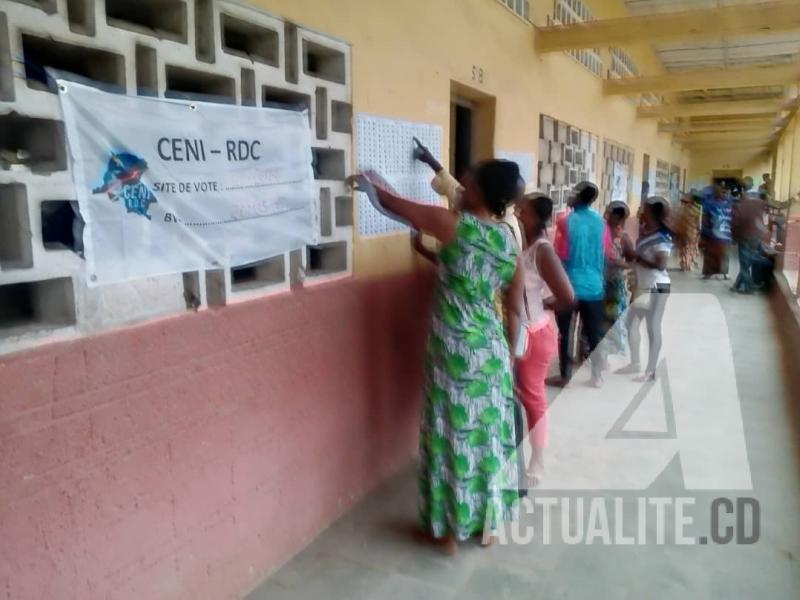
[
  {"x": 714, "y": 220},
  {"x": 507, "y": 302}
]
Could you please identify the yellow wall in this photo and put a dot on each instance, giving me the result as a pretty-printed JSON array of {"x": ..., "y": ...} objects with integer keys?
[
  {"x": 703, "y": 164},
  {"x": 405, "y": 54},
  {"x": 787, "y": 162}
]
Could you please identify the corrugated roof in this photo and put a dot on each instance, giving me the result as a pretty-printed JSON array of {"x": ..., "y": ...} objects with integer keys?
[{"x": 722, "y": 52}]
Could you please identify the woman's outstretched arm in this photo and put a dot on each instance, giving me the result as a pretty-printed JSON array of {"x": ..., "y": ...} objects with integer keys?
[
  {"x": 422, "y": 153},
  {"x": 435, "y": 220}
]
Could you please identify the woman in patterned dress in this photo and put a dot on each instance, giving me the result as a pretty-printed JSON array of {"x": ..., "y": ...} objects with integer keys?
[
  {"x": 615, "y": 302},
  {"x": 467, "y": 437},
  {"x": 687, "y": 230}
]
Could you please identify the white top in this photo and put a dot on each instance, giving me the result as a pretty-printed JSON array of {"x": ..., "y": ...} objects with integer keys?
[
  {"x": 446, "y": 185},
  {"x": 649, "y": 247},
  {"x": 536, "y": 289}
]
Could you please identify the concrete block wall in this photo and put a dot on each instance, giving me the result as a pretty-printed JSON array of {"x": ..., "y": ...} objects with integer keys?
[
  {"x": 567, "y": 155},
  {"x": 210, "y": 50}
]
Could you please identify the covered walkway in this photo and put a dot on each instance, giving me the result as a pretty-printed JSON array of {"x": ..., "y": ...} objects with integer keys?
[{"x": 372, "y": 552}]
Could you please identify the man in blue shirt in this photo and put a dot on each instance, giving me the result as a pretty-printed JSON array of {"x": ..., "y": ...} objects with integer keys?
[
  {"x": 583, "y": 242},
  {"x": 716, "y": 235}
]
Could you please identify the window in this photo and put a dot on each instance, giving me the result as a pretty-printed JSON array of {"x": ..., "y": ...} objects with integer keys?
[
  {"x": 566, "y": 12},
  {"x": 650, "y": 100},
  {"x": 522, "y": 8},
  {"x": 622, "y": 65}
]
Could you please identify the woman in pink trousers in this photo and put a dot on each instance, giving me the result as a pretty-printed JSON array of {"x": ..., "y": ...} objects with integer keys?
[{"x": 546, "y": 287}]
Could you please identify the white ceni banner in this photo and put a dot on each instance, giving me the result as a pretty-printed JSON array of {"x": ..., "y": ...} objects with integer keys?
[{"x": 169, "y": 186}]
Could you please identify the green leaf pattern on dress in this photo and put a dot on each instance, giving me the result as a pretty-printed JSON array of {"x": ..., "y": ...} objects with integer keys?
[{"x": 467, "y": 433}]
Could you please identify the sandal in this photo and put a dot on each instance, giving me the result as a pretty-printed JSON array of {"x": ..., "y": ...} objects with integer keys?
[{"x": 631, "y": 369}]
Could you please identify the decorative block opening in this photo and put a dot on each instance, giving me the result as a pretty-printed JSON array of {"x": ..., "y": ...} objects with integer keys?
[
  {"x": 204, "y": 40},
  {"x": 146, "y": 71},
  {"x": 321, "y": 96},
  {"x": 192, "y": 294},
  {"x": 48, "y": 6},
  {"x": 296, "y": 269},
  {"x": 327, "y": 258},
  {"x": 6, "y": 68},
  {"x": 323, "y": 62},
  {"x": 37, "y": 305},
  {"x": 38, "y": 144},
  {"x": 161, "y": 18},
  {"x": 260, "y": 274},
  {"x": 560, "y": 175},
  {"x": 344, "y": 211},
  {"x": 286, "y": 99},
  {"x": 80, "y": 14},
  {"x": 62, "y": 225},
  {"x": 325, "y": 212},
  {"x": 341, "y": 117},
  {"x": 248, "y": 85},
  {"x": 290, "y": 52},
  {"x": 15, "y": 228},
  {"x": 328, "y": 163},
  {"x": 101, "y": 67},
  {"x": 251, "y": 41},
  {"x": 573, "y": 177},
  {"x": 215, "y": 287},
  {"x": 188, "y": 84}
]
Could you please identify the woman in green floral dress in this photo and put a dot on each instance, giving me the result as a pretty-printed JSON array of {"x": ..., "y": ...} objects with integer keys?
[{"x": 467, "y": 438}]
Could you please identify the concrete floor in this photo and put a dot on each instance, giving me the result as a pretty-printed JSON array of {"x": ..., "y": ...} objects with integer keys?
[{"x": 372, "y": 551}]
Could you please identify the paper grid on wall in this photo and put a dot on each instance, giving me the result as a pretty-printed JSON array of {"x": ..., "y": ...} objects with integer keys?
[
  {"x": 524, "y": 161},
  {"x": 386, "y": 146},
  {"x": 619, "y": 186}
]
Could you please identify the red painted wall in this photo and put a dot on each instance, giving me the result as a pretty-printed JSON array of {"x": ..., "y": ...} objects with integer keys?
[{"x": 189, "y": 457}]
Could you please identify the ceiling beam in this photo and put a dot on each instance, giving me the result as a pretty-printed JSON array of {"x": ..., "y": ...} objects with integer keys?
[
  {"x": 701, "y": 109},
  {"x": 704, "y": 79},
  {"x": 763, "y": 124},
  {"x": 727, "y": 142},
  {"x": 722, "y": 156},
  {"x": 725, "y": 135},
  {"x": 751, "y": 118},
  {"x": 729, "y": 150},
  {"x": 728, "y": 21},
  {"x": 731, "y": 147}
]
